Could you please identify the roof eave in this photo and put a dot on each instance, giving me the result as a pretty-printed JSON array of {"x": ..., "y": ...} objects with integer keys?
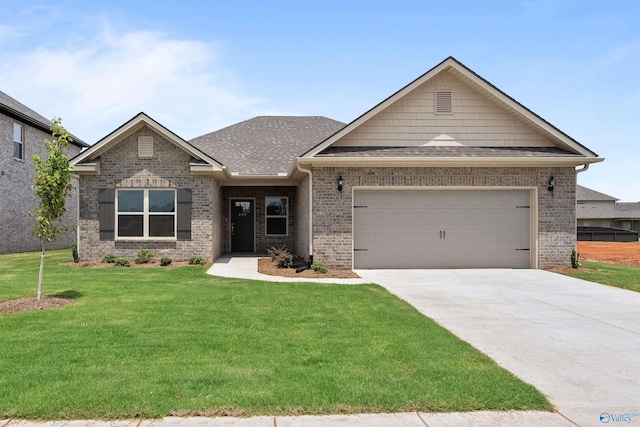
[
  {"x": 449, "y": 161},
  {"x": 44, "y": 127}
]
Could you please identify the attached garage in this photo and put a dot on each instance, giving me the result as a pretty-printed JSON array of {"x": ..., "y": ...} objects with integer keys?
[{"x": 448, "y": 228}]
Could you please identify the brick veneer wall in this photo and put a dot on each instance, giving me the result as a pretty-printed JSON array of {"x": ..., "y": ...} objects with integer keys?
[
  {"x": 17, "y": 197},
  {"x": 332, "y": 211},
  {"x": 120, "y": 167},
  {"x": 263, "y": 242},
  {"x": 302, "y": 218}
]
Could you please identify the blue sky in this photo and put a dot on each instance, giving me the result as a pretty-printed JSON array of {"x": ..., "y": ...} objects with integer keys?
[{"x": 197, "y": 66}]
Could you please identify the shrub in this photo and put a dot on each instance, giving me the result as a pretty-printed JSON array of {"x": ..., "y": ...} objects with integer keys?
[
  {"x": 165, "y": 261},
  {"x": 196, "y": 260},
  {"x": 144, "y": 256},
  {"x": 109, "y": 258},
  {"x": 319, "y": 267},
  {"x": 575, "y": 258},
  {"x": 281, "y": 256},
  {"x": 74, "y": 252},
  {"x": 121, "y": 262}
]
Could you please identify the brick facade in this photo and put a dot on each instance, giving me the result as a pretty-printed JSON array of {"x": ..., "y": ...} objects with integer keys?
[
  {"x": 120, "y": 167},
  {"x": 332, "y": 210},
  {"x": 17, "y": 197}
]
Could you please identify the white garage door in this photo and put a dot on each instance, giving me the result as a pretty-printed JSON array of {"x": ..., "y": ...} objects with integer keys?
[{"x": 442, "y": 229}]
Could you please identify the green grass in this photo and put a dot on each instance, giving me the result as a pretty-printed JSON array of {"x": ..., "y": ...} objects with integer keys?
[
  {"x": 150, "y": 342},
  {"x": 621, "y": 276}
]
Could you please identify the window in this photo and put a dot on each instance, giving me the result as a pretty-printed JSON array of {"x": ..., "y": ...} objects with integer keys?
[
  {"x": 18, "y": 141},
  {"x": 277, "y": 221},
  {"x": 147, "y": 214}
]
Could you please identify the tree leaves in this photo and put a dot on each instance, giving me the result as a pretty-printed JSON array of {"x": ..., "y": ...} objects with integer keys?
[{"x": 52, "y": 185}]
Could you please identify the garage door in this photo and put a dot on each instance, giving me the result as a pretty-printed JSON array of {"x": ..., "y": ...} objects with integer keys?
[{"x": 442, "y": 229}]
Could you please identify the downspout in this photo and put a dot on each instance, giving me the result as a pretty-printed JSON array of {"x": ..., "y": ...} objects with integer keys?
[
  {"x": 308, "y": 172},
  {"x": 584, "y": 168}
]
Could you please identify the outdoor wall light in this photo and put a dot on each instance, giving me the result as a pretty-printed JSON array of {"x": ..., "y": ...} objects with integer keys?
[
  {"x": 340, "y": 183},
  {"x": 552, "y": 184}
]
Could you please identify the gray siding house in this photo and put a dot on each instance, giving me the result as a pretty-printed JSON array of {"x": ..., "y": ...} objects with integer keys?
[
  {"x": 22, "y": 134},
  {"x": 448, "y": 172}
]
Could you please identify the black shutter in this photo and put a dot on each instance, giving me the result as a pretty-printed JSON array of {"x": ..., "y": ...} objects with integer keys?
[
  {"x": 184, "y": 214},
  {"x": 106, "y": 213}
]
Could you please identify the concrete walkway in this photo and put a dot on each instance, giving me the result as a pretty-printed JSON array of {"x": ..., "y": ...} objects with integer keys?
[
  {"x": 577, "y": 342},
  {"x": 246, "y": 267},
  {"x": 415, "y": 419}
]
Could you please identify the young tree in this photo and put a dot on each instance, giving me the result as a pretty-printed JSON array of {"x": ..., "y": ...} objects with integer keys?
[{"x": 52, "y": 186}]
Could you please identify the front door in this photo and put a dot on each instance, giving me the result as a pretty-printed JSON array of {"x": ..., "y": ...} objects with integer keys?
[{"x": 242, "y": 225}]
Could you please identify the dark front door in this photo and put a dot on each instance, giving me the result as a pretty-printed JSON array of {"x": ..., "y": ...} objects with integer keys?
[{"x": 242, "y": 225}]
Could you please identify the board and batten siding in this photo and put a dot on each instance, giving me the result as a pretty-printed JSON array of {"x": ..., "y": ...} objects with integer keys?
[{"x": 475, "y": 121}]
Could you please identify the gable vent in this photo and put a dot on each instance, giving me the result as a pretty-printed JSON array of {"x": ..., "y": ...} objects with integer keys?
[
  {"x": 145, "y": 147},
  {"x": 444, "y": 102}
]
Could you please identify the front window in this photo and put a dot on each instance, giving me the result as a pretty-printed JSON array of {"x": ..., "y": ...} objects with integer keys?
[
  {"x": 18, "y": 141},
  {"x": 277, "y": 220},
  {"x": 146, "y": 214}
]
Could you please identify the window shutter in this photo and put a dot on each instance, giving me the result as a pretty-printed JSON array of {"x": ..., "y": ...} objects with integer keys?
[
  {"x": 184, "y": 213},
  {"x": 106, "y": 213}
]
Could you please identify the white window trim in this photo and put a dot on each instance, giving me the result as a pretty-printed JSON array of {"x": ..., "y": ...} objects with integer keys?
[
  {"x": 20, "y": 159},
  {"x": 145, "y": 216},
  {"x": 285, "y": 216}
]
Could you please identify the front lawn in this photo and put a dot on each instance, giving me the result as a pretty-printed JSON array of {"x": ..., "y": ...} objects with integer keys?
[
  {"x": 152, "y": 342},
  {"x": 622, "y": 276}
]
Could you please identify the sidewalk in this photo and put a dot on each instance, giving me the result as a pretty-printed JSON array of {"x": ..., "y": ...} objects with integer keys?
[
  {"x": 413, "y": 419},
  {"x": 246, "y": 267}
]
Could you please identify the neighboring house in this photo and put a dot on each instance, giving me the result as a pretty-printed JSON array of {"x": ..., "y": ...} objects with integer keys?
[
  {"x": 22, "y": 134},
  {"x": 447, "y": 172},
  {"x": 596, "y": 209}
]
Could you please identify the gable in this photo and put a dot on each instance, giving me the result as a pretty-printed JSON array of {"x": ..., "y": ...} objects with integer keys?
[
  {"x": 482, "y": 117},
  {"x": 474, "y": 122},
  {"x": 88, "y": 162}
]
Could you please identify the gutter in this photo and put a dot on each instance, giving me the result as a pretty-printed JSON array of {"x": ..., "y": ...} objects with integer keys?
[{"x": 308, "y": 172}]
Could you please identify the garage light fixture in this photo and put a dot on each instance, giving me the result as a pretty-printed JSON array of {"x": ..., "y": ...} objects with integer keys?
[
  {"x": 552, "y": 184},
  {"x": 340, "y": 183}
]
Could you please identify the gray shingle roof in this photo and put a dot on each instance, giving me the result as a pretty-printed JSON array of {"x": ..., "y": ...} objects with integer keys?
[
  {"x": 448, "y": 151},
  {"x": 595, "y": 211},
  {"x": 19, "y": 111},
  {"x": 628, "y": 210},
  {"x": 587, "y": 194},
  {"x": 266, "y": 145}
]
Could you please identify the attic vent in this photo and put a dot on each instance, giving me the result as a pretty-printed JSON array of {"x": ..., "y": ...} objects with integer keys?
[
  {"x": 444, "y": 102},
  {"x": 145, "y": 147}
]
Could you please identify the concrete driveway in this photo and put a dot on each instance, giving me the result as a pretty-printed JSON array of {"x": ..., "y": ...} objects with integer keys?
[{"x": 576, "y": 341}]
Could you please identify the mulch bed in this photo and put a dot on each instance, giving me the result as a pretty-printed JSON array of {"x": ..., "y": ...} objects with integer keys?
[
  {"x": 26, "y": 304},
  {"x": 627, "y": 253},
  {"x": 152, "y": 264},
  {"x": 266, "y": 266}
]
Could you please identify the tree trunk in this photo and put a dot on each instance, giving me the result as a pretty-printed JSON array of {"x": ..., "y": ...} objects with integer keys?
[{"x": 41, "y": 273}]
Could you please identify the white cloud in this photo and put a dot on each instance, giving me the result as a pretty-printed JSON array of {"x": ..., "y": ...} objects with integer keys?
[{"x": 95, "y": 85}]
